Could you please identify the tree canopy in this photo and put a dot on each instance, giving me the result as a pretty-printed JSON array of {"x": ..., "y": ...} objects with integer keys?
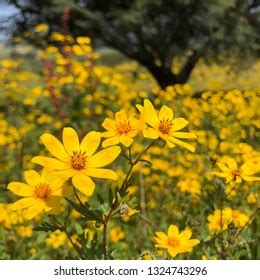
[{"x": 154, "y": 32}]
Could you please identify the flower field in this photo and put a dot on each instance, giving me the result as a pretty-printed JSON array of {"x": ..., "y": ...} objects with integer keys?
[{"x": 98, "y": 162}]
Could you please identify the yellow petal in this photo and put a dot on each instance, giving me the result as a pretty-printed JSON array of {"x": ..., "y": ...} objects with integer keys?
[
  {"x": 251, "y": 178},
  {"x": 23, "y": 203},
  {"x": 34, "y": 210},
  {"x": 70, "y": 140},
  {"x": 248, "y": 169},
  {"x": 101, "y": 173},
  {"x": 151, "y": 133},
  {"x": 20, "y": 189},
  {"x": 193, "y": 242},
  {"x": 110, "y": 142},
  {"x": 165, "y": 113},
  {"x": 110, "y": 133},
  {"x": 150, "y": 114},
  {"x": 179, "y": 123},
  {"x": 32, "y": 177},
  {"x": 90, "y": 143},
  {"x": 50, "y": 163},
  {"x": 104, "y": 157},
  {"x": 52, "y": 202},
  {"x": 109, "y": 124},
  {"x": 186, "y": 234},
  {"x": 173, "y": 252},
  {"x": 173, "y": 231},
  {"x": 232, "y": 163},
  {"x": 183, "y": 144},
  {"x": 54, "y": 211},
  {"x": 221, "y": 174},
  {"x": 170, "y": 144},
  {"x": 65, "y": 174},
  {"x": 161, "y": 246},
  {"x": 83, "y": 183},
  {"x": 126, "y": 140},
  {"x": 223, "y": 167},
  {"x": 121, "y": 116},
  {"x": 54, "y": 146},
  {"x": 57, "y": 183},
  {"x": 184, "y": 135},
  {"x": 162, "y": 235}
]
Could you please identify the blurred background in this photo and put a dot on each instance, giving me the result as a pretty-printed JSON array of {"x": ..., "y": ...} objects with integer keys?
[{"x": 211, "y": 44}]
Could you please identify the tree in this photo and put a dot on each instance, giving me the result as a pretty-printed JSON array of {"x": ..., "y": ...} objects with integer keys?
[{"x": 156, "y": 32}]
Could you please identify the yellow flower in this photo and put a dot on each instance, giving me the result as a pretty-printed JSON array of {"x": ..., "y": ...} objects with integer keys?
[
  {"x": 42, "y": 27},
  {"x": 164, "y": 126},
  {"x": 83, "y": 40},
  {"x": 252, "y": 198},
  {"x": 121, "y": 130},
  {"x": 116, "y": 234},
  {"x": 78, "y": 160},
  {"x": 25, "y": 231},
  {"x": 146, "y": 255},
  {"x": 174, "y": 242},
  {"x": 56, "y": 239},
  {"x": 190, "y": 185},
  {"x": 41, "y": 193},
  {"x": 220, "y": 220},
  {"x": 126, "y": 212},
  {"x": 233, "y": 173},
  {"x": 239, "y": 219}
]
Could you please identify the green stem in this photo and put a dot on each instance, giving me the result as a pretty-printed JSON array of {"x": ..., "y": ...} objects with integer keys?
[
  {"x": 64, "y": 229},
  {"x": 122, "y": 191}
]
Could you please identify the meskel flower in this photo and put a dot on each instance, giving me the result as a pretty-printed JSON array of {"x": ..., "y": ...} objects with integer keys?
[
  {"x": 233, "y": 173},
  {"x": 164, "y": 126},
  {"x": 42, "y": 193},
  {"x": 174, "y": 242},
  {"x": 120, "y": 130},
  {"x": 78, "y": 160}
]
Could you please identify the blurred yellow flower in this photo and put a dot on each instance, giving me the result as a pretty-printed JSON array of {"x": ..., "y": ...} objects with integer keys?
[
  {"x": 190, "y": 185},
  {"x": 233, "y": 173},
  {"x": 25, "y": 231},
  {"x": 116, "y": 234},
  {"x": 56, "y": 239},
  {"x": 126, "y": 212},
  {"x": 121, "y": 130},
  {"x": 42, "y": 27},
  {"x": 220, "y": 220},
  {"x": 252, "y": 198},
  {"x": 174, "y": 242},
  {"x": 41, "y": 193},
  {"x": 164, "y": 126},
  {"x": 78, "y": 160},
  {"x": 239, "y": 219}
]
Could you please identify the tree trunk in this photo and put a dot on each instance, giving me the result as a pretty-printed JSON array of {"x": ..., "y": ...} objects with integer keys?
[{"x": 164, "y": 75}]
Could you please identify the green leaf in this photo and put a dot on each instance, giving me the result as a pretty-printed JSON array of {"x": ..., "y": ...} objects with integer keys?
[
  {"x": 78, "y": 229},
  {"x": 100, "y": 199}
]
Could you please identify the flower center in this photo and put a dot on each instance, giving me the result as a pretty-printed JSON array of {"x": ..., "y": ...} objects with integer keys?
[
  {"x": 173, "y": 242},
  {"x": 165, "y": 126},
  {"x": 42, "y": 191},
  {"x": 78, "y": 160},
  {"x": 123, "y": 128},
  {"x": 236, "y": 173}
]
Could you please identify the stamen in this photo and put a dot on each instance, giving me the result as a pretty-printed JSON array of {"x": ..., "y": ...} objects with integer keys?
[
  {"x": 165, "y": 126},
  {"x": 78, "y": 160},
  {"x": 174, "y": 242},
  {"x": 123, "y": 128},
  {"x": 42, "y": 191}
]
